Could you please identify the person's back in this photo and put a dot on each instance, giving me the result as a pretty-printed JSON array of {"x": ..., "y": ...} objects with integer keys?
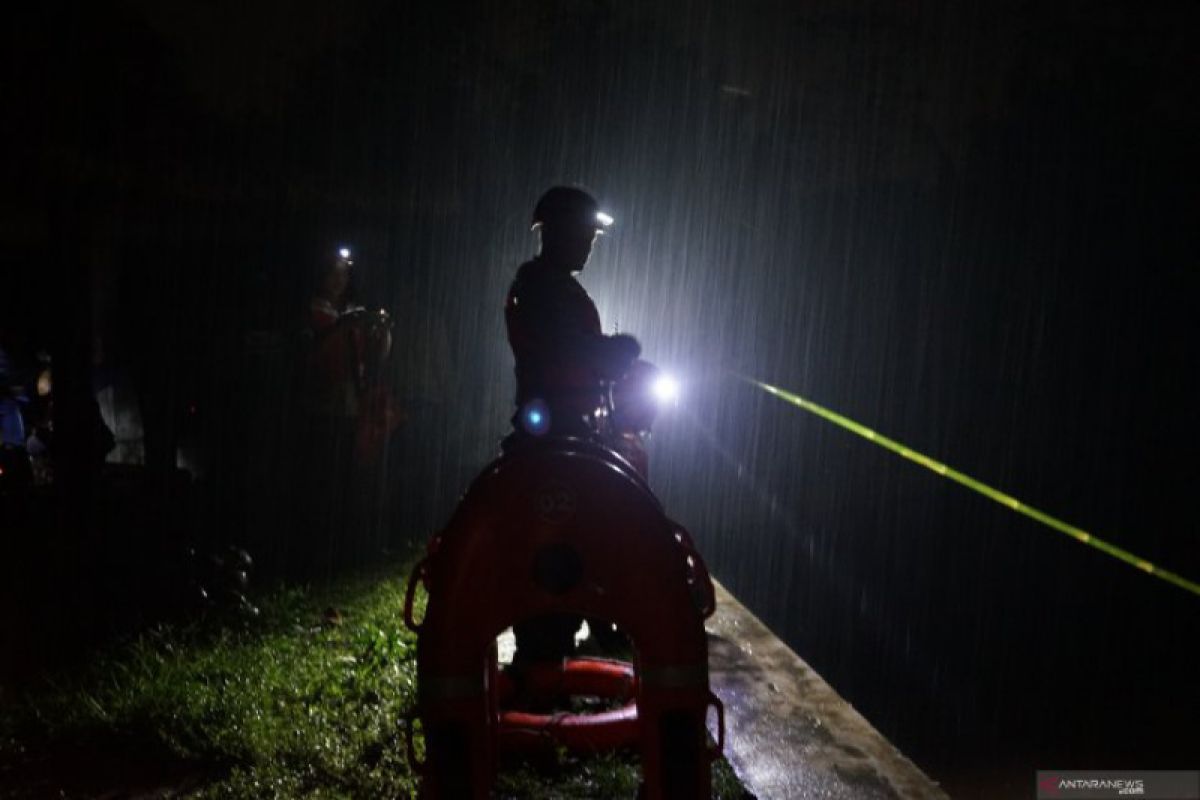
[{"x": 550, "y": 319}]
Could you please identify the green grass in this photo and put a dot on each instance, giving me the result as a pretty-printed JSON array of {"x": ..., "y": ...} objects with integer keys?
[{"x": 296, "y": 703}]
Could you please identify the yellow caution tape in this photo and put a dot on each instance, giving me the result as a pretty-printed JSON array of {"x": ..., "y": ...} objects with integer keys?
[{"x": 978, "y": 486}]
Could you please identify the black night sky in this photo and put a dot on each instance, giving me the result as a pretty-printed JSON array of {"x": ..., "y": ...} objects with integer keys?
[{"x": 970, "y": 226}]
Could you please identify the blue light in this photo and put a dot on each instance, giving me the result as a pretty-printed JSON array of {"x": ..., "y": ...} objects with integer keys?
[{"x": 535, "y": 417}]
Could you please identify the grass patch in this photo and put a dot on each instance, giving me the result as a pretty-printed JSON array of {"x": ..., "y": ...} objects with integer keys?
[
  {"x": 303, "y": 701},
  {"x": 306, "y": 700}
]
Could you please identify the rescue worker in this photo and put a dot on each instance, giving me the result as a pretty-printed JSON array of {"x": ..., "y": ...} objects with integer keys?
[
  {"x": 345, "y": 423},
  {"x": 563, "y": 361},
  {"x": 562, "y": 357}
]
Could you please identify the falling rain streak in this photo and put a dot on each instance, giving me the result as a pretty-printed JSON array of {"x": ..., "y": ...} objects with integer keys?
[{"x": 965, "y": 222}]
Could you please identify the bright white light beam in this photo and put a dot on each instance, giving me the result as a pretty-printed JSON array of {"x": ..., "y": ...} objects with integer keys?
[{"x": 666, "y": 389}]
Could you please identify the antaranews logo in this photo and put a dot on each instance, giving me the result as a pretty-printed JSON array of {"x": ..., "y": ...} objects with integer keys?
[
  {"x": 1122, "y": 786},
  {"x": 1048, "y": 786},
  {"x": 1147, "y": 784}
]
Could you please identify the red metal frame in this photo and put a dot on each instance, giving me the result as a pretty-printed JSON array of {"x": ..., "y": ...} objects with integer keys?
[{"x": 639, "y": 570}]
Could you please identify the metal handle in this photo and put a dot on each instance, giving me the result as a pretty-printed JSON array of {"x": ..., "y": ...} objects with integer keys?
[
  {"x": 406, "y": 732},
  {"x": 418, "y": 575},
  {"x": 715, "y": 702},
  {"x": 703, "y": 593}
]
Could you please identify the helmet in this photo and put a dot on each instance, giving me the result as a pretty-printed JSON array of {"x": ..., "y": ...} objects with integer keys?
[{"x": 568, "y": 204}]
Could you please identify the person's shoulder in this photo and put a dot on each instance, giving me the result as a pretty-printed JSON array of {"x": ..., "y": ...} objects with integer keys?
[
  {"x": 537, "y": 275},
  {"x": 321, "y": 313},
  {"x": 535, "y": 269}
]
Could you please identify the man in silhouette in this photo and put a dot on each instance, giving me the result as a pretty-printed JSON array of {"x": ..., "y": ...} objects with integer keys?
[
  {"x": 562, "y": 357},
  {"x": 563, "y": 360}
]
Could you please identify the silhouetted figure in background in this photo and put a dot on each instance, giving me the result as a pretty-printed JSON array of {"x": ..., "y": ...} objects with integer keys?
[
  {"x": 341, "y": 400},
  {"x": 15, "y": 471}
]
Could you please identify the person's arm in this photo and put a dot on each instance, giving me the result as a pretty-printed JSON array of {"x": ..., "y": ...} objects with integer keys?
[
  {"x": 558, "y": 322},
  {"x": 611, "y": 356}
]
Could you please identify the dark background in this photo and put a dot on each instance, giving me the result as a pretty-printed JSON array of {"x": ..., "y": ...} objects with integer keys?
[{"x": 970, "y": 226}]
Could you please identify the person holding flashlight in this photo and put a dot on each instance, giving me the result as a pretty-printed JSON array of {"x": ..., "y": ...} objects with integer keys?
[
  {"x": 563, "y": 358},
  {"x": 564, "y": 362}
]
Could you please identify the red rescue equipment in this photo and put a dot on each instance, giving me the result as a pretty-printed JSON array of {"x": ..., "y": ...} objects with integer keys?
[
  {"x": 613, "y": 681},
  {"x": 563, "y": 526},
  {"x": 574, "y": 677}
]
